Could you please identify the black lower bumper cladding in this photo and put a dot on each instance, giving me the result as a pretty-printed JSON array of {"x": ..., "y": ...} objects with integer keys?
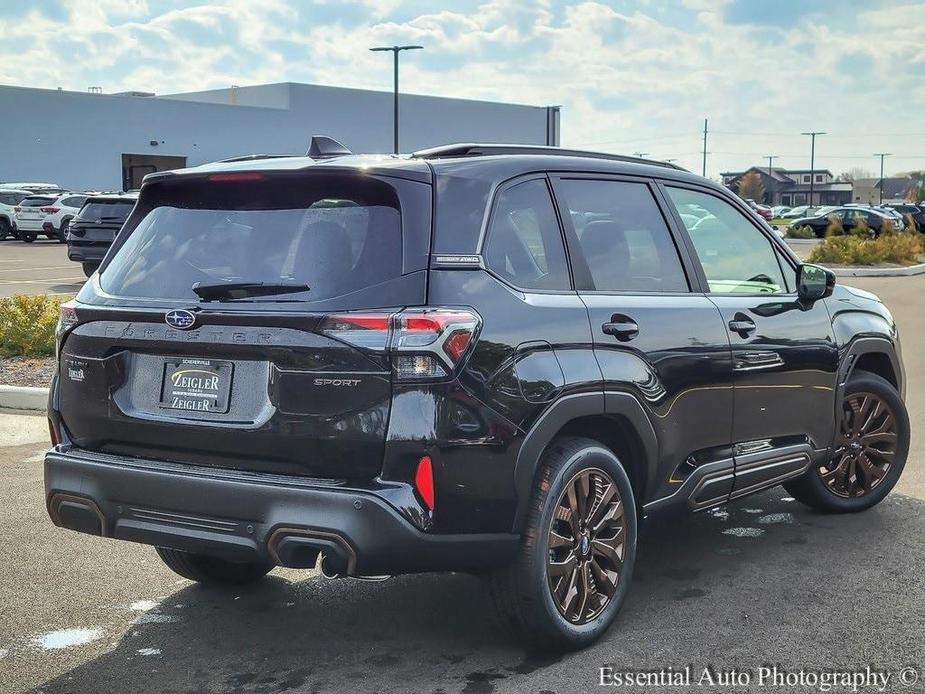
[{"x": 288, "y": 521}]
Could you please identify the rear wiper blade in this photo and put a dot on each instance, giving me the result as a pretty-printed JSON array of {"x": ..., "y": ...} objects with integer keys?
[{"x": 242, "y": 290}]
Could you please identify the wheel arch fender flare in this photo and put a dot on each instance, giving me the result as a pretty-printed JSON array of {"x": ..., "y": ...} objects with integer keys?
[
  {"x": 559, "y": 415},
  {"x": 862, "y": 345}
]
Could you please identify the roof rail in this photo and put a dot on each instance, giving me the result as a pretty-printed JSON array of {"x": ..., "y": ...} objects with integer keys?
[
  {"x": 254, "y": 157},
  {"x": 484, "y": 150}
]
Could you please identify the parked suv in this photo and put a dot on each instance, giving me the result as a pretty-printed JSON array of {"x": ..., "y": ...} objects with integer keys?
[
  {"x": 475, "y": 358},
  {"x": 9, "y": 199},
  {"x": 92, "y": 231},
  {"x": 47, "y": 214}
]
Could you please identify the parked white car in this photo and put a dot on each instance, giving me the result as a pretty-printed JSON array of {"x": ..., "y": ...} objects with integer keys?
[
  {"x": 50, "y": 215},
  {"x": 9, "y": 199},
  {"x": 35, "y": 188}
]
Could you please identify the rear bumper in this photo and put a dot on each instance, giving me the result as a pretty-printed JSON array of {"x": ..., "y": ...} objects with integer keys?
[
  {"x": 246, "y": 518},
  {"x": 86, "y": 251}
]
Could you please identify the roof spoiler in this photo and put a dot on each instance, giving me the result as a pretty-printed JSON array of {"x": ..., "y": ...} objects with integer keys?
[{"x": 323, "y": 146}]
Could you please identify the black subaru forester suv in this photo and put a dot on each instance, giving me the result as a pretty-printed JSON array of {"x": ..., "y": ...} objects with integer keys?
[{"x": 494, "y": 359}]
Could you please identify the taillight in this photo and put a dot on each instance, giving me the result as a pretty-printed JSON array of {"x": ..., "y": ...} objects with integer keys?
[
  {"x": 424, "y": 343},
  {"x": 67, "y": 319},
  {"x": 431, "y": 342},
  {"x": 51, "y": 210}
]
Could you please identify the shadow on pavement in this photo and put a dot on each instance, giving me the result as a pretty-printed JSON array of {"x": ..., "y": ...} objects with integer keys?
[{"x": 772, "y": 582}]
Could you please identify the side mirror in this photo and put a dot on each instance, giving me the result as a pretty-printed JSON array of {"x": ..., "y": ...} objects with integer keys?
[{"x": 814, "y": 282}]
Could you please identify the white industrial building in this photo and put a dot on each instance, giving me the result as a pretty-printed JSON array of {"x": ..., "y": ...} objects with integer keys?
[{"x": 98, "y": 141}]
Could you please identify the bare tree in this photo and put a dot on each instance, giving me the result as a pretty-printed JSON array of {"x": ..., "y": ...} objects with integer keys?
[{"x": 855, "y": 173}]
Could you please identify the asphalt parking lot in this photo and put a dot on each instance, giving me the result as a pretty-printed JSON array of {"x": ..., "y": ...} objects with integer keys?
[
  {"x": 762, "y": 582},
  {"x": 41, "y": 267}
]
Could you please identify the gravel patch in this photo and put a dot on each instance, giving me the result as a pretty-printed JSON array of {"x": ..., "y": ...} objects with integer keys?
[{"x": 27, "y": 371}]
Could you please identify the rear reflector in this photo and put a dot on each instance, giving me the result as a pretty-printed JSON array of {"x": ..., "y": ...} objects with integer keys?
[
  {"x": 53, "y": 433},
  {"x": 424, "y": 481}
]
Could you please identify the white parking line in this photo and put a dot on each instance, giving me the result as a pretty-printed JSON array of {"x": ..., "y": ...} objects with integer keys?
[
  {"x": 4, "y": 271},
  {"x": 51, "y": 280}
]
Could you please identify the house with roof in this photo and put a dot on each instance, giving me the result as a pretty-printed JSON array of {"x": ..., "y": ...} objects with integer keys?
[
  {"x": 792, "y": 187},
  {"x": 895, "y": 189}
]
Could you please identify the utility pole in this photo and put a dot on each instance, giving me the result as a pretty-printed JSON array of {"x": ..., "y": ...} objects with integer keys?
[
  {"x": 704, "y": 172},
  {"x": 395, "y": 51},
  {"x": 882, "y": 156},
  {"x": 812, "y": 163},
  {"x": 771, "y": 158}
]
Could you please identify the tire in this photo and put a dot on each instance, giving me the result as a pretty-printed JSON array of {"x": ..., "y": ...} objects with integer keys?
[
  {"x": 522, "y": 593},
  {"x": 62, "y": 232},
  {"x": 824, "y": 486},
  {"x": 28, "y": 236},
  {"x": 89, "y": 268},
  {"x": 6, "y": 229},
  {"x": 212, "y": 570}
]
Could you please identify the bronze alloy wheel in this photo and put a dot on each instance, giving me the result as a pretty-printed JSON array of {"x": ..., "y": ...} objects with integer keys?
[
  {"x": 865, "y": 448},
  {"x": 587, "y": 537}
]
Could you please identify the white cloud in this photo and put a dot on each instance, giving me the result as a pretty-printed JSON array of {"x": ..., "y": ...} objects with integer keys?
[{"x": 628, "y": 74}]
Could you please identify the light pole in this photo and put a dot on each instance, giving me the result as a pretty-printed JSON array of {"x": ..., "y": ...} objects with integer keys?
[
  {"x": 395, "y": 51},
  {"x": 641, "y": 155},
  {"x": 882, "y": 156},
  {"x": 812, "y": 163}
]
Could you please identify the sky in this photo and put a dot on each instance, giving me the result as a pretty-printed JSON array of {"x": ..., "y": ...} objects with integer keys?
[{"x": 631, "y": 75}]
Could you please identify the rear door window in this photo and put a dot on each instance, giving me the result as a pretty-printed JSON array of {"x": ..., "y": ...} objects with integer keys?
[
  {"x": 524, "y": 245},
  {"x": 336, "y": 234},
  {"x": 624, "y": 237}
]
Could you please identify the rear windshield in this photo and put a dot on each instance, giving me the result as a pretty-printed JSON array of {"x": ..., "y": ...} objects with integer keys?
[
  {"x": 106, "y": 210},
  {"x": 337, "y": 235},
  {"x": 36, "y": 202}
]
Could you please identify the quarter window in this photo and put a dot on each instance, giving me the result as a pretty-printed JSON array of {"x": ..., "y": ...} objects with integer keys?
[
  {"x": 524, "y": 241},
  {"x": 623, "y": 235},
  {"x": 736, "y": 257}
]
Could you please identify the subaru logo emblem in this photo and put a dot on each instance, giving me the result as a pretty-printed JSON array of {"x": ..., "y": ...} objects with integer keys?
[{"x": 180, "y": 318}]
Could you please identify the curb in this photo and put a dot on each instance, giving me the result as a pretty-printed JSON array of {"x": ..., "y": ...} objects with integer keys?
[
  {"x": 23, "y": 398},
  {"x": 908, "y": 271}
]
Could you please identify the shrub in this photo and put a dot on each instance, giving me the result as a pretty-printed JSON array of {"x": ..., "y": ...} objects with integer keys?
[
  {"x": 902, "y": 249},
  {"x": 800, "y": 232},
  {"x": 27, "y": 325},
  {"x": 861, "y": 228},
  {"x": 835, "y": 227}
]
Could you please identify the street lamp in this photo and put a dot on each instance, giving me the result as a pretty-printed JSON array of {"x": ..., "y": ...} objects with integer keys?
[
  {"x": 812, "y": 163},
  {"x": 395, "y": 51},
  {"x": 882, "y": 156},
  {"x": 641, "y": 155}
]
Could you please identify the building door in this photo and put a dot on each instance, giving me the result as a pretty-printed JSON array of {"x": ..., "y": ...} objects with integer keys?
[{"x": 136, "y": 166}]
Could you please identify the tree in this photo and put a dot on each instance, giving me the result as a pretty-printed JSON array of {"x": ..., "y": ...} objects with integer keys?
[
  {"x": 855, "y": 173},
  {"x": 751, "y": 187}
]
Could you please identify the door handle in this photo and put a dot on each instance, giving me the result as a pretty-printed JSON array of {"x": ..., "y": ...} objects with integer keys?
[
  {"x": 621, "y": 327},
  {"x": 742, "y": 324}
]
